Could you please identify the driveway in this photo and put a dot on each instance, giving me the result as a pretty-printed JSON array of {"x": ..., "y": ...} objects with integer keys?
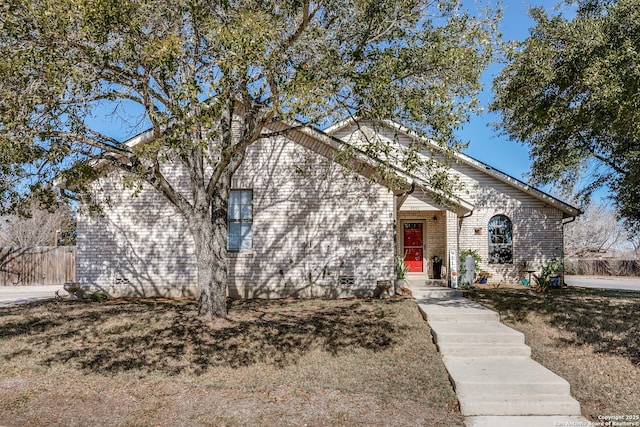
[
  {"x": 12, "y": 295},
  {"x": 597, "y": 282}
]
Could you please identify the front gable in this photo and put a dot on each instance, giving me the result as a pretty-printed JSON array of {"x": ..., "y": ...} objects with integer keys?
[
  {"x": 477, "y": 183},
  {"x": 317, "y": 229}
]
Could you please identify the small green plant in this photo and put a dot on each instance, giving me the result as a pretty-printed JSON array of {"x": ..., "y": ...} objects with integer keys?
[
  {"x": 98, "y": 296},
  {"x": 543, "y": 282},
  {"x": 548, "y": 275},
  {"x": 401, "y": 267},
  {"x": 553, "y": 268}
]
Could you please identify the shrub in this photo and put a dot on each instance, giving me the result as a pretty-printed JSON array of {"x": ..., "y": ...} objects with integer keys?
[
  {"x": 98, "y": 296},
  {"x": 543, "y": 282}
]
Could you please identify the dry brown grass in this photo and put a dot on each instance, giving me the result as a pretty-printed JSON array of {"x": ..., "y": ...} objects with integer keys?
[
  {"x": 287, "y": 362},
  {"x": 589, "y": 337}
]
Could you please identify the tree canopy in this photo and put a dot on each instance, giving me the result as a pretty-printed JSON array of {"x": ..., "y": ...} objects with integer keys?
[
  {"x": 39, "y": 223},
  {"x": 571, "y": 91},
  {"x": 596, "y": 231},
  {"x": 207, "y": 78}
]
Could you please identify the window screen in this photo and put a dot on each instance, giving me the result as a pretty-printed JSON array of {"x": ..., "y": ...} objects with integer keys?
[{"x": 240, "y": 219}]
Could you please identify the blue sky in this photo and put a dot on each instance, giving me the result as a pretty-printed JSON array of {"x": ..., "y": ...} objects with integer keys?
[{"x": 485, "y": 143}]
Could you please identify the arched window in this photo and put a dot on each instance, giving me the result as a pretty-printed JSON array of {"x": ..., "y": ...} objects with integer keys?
[{"x": 500, "y": 240}]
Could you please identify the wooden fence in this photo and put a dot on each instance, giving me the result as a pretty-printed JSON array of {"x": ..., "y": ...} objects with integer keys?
[{"x": 42, "y": 265}]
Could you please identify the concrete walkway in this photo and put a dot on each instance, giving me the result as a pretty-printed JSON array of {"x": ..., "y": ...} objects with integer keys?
[
  {"x": 14, "y": 295},
  {"x": 496, "y": 381}
]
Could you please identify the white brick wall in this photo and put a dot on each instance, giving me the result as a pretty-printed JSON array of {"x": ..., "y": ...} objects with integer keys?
[
  {"x": 313, "y": 223},
  {"x": 537, "y": 239},
  {"x": 537, "y": 227}
]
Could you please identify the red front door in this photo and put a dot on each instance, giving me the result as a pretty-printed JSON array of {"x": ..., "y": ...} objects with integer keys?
[{"x": 413, "y": 249}]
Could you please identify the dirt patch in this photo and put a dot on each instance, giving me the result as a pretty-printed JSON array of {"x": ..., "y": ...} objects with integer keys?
[{"x": 286, "y": 362}]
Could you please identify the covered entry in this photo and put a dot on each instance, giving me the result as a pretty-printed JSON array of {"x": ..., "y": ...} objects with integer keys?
[
  {"x": 421, "y": 239},
  {"x": 426, "y": 232}
]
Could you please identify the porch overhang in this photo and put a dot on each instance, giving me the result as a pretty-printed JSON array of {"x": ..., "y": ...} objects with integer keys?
[{"x": 423, "y": 192}]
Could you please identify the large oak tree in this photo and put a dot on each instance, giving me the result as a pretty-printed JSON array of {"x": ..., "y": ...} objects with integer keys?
[
  {"x": 207, "y": 78},
  {"x": 571, "y": 91}
]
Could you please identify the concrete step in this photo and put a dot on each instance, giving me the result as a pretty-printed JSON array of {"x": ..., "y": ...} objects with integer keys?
[
  {"x": 434, "y": 292},
  {"x": 418, "y": 283},
  {"x": 474, "y": 332},
  {"x": 457, "y": 310},
  {"x": 503, "y": 377},
  {"x": 525, "y": 421},
  {"x": 484, "y": 350},
  {"x": 519, "y": 405}
]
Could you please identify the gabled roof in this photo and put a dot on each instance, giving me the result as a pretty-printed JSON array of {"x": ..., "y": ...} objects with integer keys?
[
  {"x": 328, "y": 146},
  {"x": 324, "y": 143},
  {"x": 565, "y": 208}
]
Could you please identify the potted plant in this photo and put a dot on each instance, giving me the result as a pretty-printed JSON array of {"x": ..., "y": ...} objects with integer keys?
[
  {"x": 437, "y": 266},
  {"x": 549, "y": 276},
  {"x": 483, "y": 276},
  {"x": 552, "y": 271},
  {"x": 401, "y": 272}
]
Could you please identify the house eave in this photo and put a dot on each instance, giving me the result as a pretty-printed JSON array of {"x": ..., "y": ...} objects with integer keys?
[
  {"x": 567, "y": 210},
  {"x": 453, "y": 203}
]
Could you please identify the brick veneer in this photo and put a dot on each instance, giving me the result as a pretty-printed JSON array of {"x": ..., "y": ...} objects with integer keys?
[{"x": 318, "y": 230}]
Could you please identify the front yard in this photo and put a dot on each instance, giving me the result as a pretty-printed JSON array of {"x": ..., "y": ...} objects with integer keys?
[
  {"x": 284, "y": 362},
  {"x": 589, "y": 337}
]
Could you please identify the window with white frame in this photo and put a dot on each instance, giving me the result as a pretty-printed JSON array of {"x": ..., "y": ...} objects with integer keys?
[
  {"x": 500, "y": 240},
  {"x": 240, "y": 220}
]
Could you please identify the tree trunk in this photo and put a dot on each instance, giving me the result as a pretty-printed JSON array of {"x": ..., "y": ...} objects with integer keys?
[
  {"x": 209, "y": 230},
  {"x": 211, "y": 260},
  {"x": 208, "y": 223}
]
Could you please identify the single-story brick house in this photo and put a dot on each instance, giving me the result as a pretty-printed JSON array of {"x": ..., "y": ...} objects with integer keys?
[{"x": 302, "y": 224}]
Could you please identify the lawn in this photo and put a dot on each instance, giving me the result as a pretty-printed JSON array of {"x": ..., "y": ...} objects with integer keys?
[
  {"x": 589, "y": 337},
  {"x": 283, "y": 362}
]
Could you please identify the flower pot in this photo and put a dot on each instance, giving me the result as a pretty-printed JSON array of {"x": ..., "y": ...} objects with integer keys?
[
  {"x": 72, "y": 288},
  {"x": 437, "y": 270},
  {"x": 401, "y": 283}
]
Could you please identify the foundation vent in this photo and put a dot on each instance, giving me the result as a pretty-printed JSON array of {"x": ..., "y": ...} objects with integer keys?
[{"x": 346, "y": 280}]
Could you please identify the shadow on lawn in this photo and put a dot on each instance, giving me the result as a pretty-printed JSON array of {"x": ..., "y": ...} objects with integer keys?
[
  {"x": 607, "y": 320},
  {"x": 167, "y": 336}
]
